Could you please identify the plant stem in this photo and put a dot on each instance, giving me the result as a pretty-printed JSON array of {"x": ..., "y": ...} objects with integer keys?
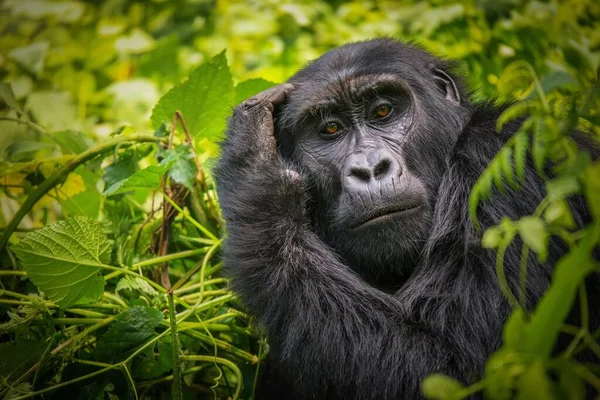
[
  {"x": 177, "y": 392},
  {"x": 62, "y": 173}
]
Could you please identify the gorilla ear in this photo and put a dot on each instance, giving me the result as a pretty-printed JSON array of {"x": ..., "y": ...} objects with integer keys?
[{"x": 445, "y": 83}]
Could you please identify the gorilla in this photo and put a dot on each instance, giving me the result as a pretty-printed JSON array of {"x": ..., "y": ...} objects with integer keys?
[{"x": 345, "y": 195}]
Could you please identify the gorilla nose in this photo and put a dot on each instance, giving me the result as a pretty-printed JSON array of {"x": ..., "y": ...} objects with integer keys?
[{"x": 375, "y": 166}]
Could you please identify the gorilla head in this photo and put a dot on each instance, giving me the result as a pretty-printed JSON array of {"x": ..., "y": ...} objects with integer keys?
[{"x": 371, "y": 125}]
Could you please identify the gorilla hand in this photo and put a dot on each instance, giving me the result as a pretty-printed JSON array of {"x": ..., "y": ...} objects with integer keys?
[{"x": 250, "y": 171}]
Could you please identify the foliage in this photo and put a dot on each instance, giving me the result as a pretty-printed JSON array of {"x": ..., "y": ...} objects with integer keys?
[{"x": 109, "y": 226}]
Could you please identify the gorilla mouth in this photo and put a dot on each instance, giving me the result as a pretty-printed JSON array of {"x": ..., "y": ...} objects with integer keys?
[{"x": 383, "y": 214}]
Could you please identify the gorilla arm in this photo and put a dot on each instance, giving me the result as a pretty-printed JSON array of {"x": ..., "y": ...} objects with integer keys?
[{"x": 331, "y": 334}]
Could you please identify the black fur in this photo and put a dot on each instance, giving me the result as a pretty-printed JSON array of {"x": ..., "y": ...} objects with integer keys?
[{"x": 368, "y": 313}]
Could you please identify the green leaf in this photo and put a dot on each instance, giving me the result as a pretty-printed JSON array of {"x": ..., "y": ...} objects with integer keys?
[
  {"x": 521, "y": 141},
  {"x": 130, "y": 330},
  {"x": 571, "y": 385},
  {"x": 122, "y": 168},
  {"x": 72, "y": 142},
  {"x": 534, "y": 234},
  {"x": 18, "y": 356},
  {"x": 249, "y": 88},
  {"x": 438, "y": 386},
  {"x": 149, "y": 366},
  {"x": 491, "y": 238},
  {"x": 556, "y": 303},
  {"x": 204, "y": 99},
  {"x": 515, "y": 111},
  {"x": 31, "y": 57},
  {"x": 135, "y": 283},
  {"x": 562, "y": 187},
  {"x": 64, "y": 260},
  {"x": 515, "y": 330},
  {"x": 8, "y": 96},
  {"x": 534, "y": 383},
  {"x": 147, "y": 178},
  {"x": 183, "y": 170}
]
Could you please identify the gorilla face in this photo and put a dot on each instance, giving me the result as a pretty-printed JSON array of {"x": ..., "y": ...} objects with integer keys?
[{"x": 373, "y": 140}]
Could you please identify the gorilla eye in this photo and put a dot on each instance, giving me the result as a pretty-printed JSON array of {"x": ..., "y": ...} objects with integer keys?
[
  {"x": 332, "y": 128},
  {"x": 382, "y": 111}
]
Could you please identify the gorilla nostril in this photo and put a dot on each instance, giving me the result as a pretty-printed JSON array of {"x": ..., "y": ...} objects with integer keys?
[
  {"x": 382, "y": 168},
  {"x": 360, "y": 173}
]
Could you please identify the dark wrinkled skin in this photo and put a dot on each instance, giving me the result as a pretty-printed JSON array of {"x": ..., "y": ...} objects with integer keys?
[{"x": 358, "y": 307}]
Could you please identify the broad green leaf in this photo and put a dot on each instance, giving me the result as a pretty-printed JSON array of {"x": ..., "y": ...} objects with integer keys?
[
  {"x": 31, "y": 57},
  {"x": 204, "y": 99},
  {"x": 147, "y": 178},
  {"x": 130, "y": 330},
  {"x": 515, "y": 330},
  {"x": 72, "y": 142},
  {"x": 8, "y": 96},
  {"x": 64, "y": 260},
  {"x": 534, "y": 234},
  {"x": 249, "y": 88},
  {"x": 17, "y": 356},
  {"x": 122, "y": 168},
  {"x": 54, "y": 111},
  {"x": 438, "y": 386},
  {"x": 556, "y": 303}
]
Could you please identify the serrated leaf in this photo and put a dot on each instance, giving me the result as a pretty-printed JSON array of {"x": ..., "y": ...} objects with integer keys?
[
  {"x": 130, "y": 330},
  {"x": 135, "y": 283},
  {"x": 64, "y": 260},
  {"x": 438, "y": 386},
  {"x": 204, "y": 99},
  {"x": 534, "y": 234},
  {"x": 249, "y": 88}
]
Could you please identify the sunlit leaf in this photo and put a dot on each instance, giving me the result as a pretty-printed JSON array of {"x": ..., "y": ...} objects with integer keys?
[
  {"x": 31, "y": 57},
  {"x": 64, "y": 260},
  {"x": 438, "y": 386},
  {"x": 204, "y": 99},
  {"x": 534, "y": 234}
]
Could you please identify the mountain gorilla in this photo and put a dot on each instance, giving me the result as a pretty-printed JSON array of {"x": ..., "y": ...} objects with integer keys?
[{"x": 345, "y": 193}]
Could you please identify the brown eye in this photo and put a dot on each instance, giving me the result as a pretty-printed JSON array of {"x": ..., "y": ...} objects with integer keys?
[
  {"x": 382, "y": 110},
  {"x": 332, "y": 128}
]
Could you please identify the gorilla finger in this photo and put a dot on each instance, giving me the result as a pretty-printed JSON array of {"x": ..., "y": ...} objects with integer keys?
[{"x": 270, "y": 97}]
